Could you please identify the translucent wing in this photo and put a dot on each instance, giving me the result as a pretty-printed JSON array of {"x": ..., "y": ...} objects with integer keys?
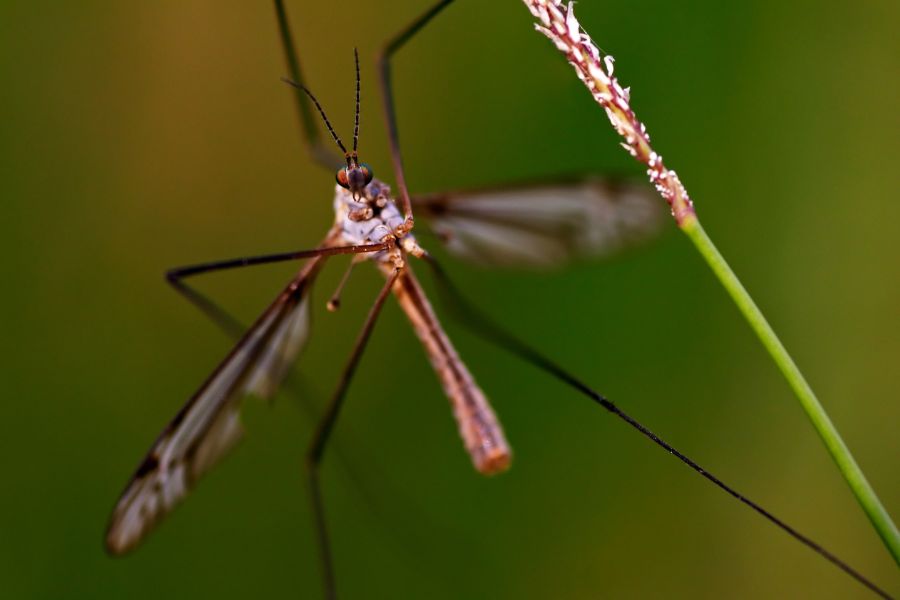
[
  {"x": 209, "y": 424},
  {"x": 542, "y": 224}
]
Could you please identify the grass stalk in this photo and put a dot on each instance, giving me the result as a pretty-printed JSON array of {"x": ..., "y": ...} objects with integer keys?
[
  {"x": 857, "y": 481},
  {"x": 557, "y": 21}
]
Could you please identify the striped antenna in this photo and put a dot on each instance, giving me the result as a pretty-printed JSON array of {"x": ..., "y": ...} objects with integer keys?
[
  {"x": 356, "y": 124},
  {"x": 321, "y": 111}
]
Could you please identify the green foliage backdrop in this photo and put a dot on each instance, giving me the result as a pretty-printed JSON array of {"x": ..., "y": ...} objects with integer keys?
[{"x": 140, "y": 136}]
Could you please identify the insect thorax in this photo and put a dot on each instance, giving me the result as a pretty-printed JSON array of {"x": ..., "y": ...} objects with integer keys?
[{"x": 371, "y": 219}]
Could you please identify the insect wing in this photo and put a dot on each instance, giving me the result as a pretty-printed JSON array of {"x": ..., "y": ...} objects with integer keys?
[
  {"x": 209, "y": 424},
  {"x": 544, "y": 224}
]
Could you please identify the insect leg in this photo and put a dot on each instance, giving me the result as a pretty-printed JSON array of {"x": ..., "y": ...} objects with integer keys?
[
  {"x": 483, "y": 326},
  {"x": 323, "y": 432},
  {"x": 320, "y": 152},
  {"x": 390, "y": 116},
  {"x": 213, "y": 310},
  {"x": 232, "y": 263},
  {"x": 334, "y": 303}
]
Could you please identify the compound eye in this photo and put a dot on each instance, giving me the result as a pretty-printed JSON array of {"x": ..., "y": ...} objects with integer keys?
[
  {"x": 341, "y": 178},
  {"x": 367, "y": 172}
]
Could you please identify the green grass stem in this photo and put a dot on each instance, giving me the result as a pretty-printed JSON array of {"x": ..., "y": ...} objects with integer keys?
[{"x": 864, "y": 493}]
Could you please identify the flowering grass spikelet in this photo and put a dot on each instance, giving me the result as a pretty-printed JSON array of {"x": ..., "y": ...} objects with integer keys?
[{"x": 595, "y": 70}]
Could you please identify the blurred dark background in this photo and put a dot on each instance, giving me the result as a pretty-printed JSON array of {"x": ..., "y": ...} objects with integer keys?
[{"x": 140, "y": 136}]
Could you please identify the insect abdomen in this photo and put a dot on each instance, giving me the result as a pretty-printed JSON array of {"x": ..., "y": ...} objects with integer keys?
[{"x": 481, "y": 432}]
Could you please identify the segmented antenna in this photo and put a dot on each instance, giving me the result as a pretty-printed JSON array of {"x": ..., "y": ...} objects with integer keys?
[
  {"x": 322, "y": 111},
  {"x": 356, "y": 125}
]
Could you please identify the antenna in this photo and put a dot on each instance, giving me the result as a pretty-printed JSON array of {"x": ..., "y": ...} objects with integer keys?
[
  {"x": 356, "y": 125},
  {"x": 322, "y": 111}
]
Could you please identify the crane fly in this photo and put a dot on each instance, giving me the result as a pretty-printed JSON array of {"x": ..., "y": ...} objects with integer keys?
[{"x": 540, "y": 224}]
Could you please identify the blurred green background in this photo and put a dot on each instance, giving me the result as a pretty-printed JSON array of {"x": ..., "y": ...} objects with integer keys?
[{"x": 140, "y": 136}]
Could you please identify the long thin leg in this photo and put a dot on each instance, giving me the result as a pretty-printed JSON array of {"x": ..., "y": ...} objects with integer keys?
[
  {"x": 221, "y": 317},
  {"x": 321, "y": 153},
  {"x": 248, "y": 261},
  {"x": 323, "y": 432},
  {"x": 483, "y": 326},
  {"x": 390, "y": 116},
  {"x": 334, "y": 303},
  {"x": 215, "y": 312}
]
